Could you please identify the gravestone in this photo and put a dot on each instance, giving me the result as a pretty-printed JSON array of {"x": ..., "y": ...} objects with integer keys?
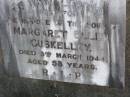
[{"x": 73, "y": 41}]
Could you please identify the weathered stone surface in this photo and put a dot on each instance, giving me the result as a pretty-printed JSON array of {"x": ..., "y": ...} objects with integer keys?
[{"x": 20, "y": 87}]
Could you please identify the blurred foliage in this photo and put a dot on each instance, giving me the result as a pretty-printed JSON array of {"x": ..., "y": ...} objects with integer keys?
[{"x": 19, "y": 87}]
